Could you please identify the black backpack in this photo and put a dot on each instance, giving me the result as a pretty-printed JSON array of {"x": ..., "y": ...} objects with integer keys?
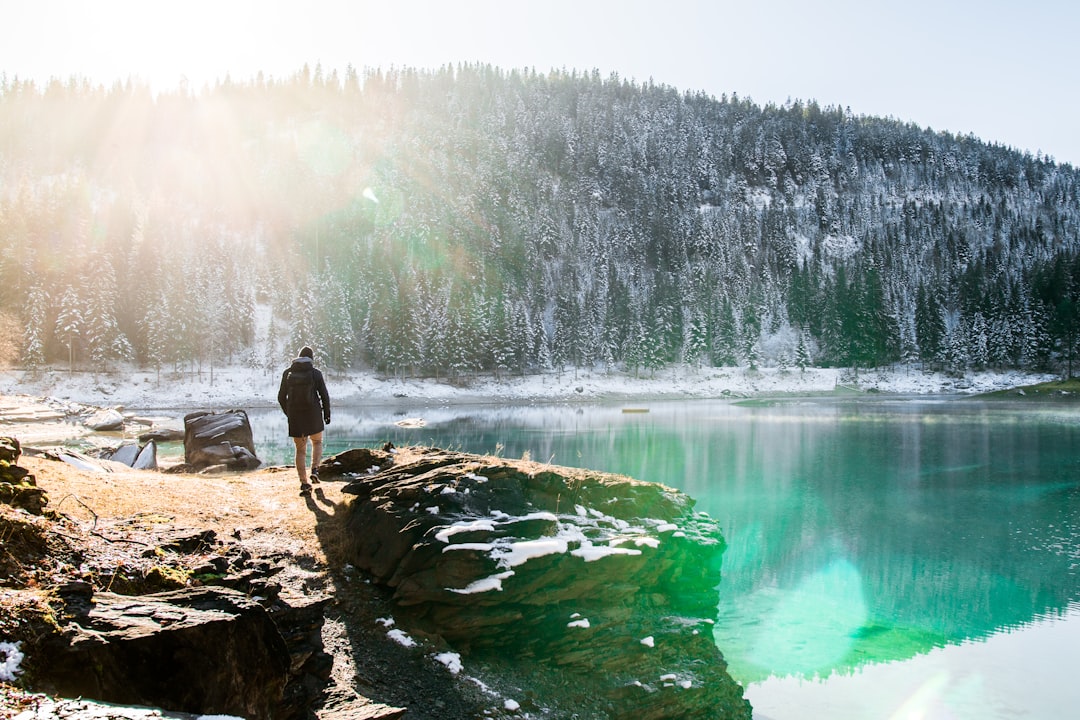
[{"x": 301, "y": 384}]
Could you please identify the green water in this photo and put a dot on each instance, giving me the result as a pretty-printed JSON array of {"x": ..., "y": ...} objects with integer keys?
[{"x": 888, "y": 558}]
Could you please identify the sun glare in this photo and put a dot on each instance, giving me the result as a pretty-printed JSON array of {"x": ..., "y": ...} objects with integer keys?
[
  {"x": 163, "y": 44},
  {"x": 200, "y": 42}
]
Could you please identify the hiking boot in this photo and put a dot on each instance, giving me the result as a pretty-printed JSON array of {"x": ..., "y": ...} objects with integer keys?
[{"x": 305, "y": 489}]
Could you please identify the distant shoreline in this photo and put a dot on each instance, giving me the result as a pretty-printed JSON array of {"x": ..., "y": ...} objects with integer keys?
[{"x": 241, "y": 387}]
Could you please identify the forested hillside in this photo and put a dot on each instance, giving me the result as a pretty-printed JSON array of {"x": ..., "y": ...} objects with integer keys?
[{"x": 480, "y": 220}]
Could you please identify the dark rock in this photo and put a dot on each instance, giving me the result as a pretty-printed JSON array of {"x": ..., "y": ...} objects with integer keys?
[
  {"x": 556, "y": 566},
  {"x": 13, "y": 474},
  {"x": 75, "y": 588},
  {"x": 10, "y": 450},
  {"x": 225, "y": 438},
  {"x": 26, "y": 497},
  {"x": 188, "y": 541},
  {"x": 18, "y": 487},
  {"x": 162, "y": 435},
  {"x": 300, "y": 622},
  {"x": 357, "y": 461},
  {"x": 200, "y": 650}
]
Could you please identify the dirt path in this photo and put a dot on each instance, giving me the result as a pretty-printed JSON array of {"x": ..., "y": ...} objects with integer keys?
[{"x": 222, "y": 502}]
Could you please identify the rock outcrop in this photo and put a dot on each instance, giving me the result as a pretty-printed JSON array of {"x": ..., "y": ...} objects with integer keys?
[
  {"x": 158, "y": 650},
  {"x": 18, "y": 486},
  {"x": 233, "y": 646},
  {"x": 605, "y": 581}
]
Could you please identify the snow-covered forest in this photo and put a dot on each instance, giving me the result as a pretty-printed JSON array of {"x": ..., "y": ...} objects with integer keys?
[{"x": 473, "y": 219}]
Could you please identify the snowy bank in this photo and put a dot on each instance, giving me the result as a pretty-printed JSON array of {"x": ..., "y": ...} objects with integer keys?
[{"x": 245, "y": 387}]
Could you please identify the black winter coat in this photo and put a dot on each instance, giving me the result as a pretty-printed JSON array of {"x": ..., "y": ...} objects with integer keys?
[{"x": 303, "y": 398}]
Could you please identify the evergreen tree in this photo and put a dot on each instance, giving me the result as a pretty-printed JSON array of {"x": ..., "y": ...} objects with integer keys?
[
  {"x": 751, "y": 336},
  {"x": 956, "y": 353},
  {"x": 303, "y": 328},
  {"x": 803, "y": 358},
  {"x": 978, "y": 342},
  {"x": 725, "y": 350},
  {"x": 155, "y": 329},
  {"x": 69, "y": 323},
  {"x": 35, "y": 331},
  {"x": 695, "y": 341},
  {"x": 100, "y": 291},
  {"x": 502, "y": 341},
  {"x": 434, "y": 328},
  {"x": 929, "y": 327},
  {"x": 333, "y": 322}
]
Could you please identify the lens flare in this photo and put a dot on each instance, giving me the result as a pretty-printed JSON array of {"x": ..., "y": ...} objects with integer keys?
[{"x": 814, "y": 625}]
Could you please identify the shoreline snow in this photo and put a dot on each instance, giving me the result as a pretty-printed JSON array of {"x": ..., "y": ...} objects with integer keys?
[{"x": 241, "y": 387}]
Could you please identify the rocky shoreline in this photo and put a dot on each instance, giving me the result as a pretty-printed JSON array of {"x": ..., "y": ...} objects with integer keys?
[
  {"x": 614, "y": 625},
  {"x": 230, "y": 387},
  {"x": 607, "y": 583}
]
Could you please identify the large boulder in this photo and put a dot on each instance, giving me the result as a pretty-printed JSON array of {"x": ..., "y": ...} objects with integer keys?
[
  {"x": 608, "y": 580},
  {"x": 105, "y": 419},
  {"x": 219, "y": 438}
]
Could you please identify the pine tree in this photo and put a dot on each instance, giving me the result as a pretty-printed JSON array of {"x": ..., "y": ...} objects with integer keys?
[
  {"x": 751, "y": 337},
  {"x": 434, "y": 327},
  {"x": 461, "y": 345},
  {"x": 956, "y": 353},
  {"x": 929, "y": 326},
  {"x": 302, "y": 323},
  {"x": 333, "y": 322},
  {"x": 104, "y": 340},
  {"x": 725, "y": 349},
  {"x": 503, "y": 340},
  {"x": 1037, "y": 343},
  {"x": 155, "y": 333},
  {"x": 69, "y": 323},
  {"x": 803, "y": 358},
  {"x": 978, "y": 342},
  {"x": 694, "y": 342},
  {"x": 34, "y": 335}
]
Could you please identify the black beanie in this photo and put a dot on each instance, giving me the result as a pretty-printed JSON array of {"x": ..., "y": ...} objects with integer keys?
[{"x": 307, "y": 352}]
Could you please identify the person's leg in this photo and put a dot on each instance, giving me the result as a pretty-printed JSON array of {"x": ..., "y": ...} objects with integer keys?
[
  {"x": 301, "y": 459},
  {"x": 316, "y": 455}
]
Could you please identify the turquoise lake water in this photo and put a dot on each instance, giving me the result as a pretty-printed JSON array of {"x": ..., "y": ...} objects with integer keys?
[{"x": 888, "y": 557}]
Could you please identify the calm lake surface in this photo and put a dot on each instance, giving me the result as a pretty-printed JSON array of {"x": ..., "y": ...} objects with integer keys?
[{"x": 888, "y": 557}]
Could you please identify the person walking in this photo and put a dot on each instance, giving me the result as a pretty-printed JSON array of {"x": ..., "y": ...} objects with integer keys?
[{"x": 306, "y": 403}]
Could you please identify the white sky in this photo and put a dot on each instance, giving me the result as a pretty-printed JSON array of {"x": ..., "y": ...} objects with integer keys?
[{"x": 1005, "y": 70}]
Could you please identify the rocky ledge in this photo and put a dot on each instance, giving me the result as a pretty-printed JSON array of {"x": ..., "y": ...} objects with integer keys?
[
  {"x": 193, "y": 623},
  {"x": 598, "y": 587}
]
